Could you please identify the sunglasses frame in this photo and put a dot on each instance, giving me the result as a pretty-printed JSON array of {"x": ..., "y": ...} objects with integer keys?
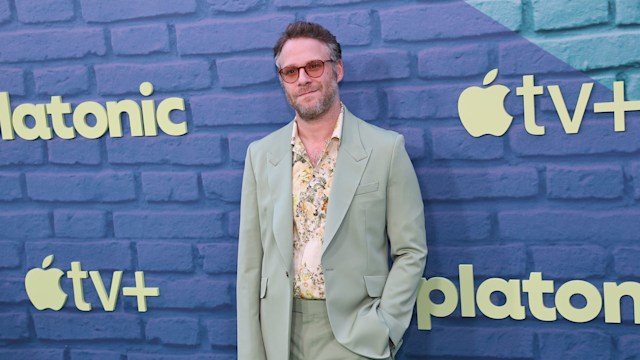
[{"x": 282, "y": 76}]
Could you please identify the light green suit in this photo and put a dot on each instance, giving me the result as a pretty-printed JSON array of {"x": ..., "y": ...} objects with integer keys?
[{"x": 375, "y": 203}]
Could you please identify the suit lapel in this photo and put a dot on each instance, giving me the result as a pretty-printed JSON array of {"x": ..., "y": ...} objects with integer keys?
[
  {"x": 350, "y": 165},
  {"x": 279, "y": 173}
]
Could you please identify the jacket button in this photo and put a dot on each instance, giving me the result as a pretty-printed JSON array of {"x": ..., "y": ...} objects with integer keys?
[{"x": 286, "y": 273}]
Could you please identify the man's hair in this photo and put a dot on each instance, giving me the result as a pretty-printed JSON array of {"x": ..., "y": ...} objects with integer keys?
[{"x": 304, "y": 29}]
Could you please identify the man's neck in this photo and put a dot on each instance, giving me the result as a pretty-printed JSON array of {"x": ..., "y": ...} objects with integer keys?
[{"x": 321, "y": 128}]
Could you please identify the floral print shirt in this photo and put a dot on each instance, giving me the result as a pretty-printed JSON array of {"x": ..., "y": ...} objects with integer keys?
[{"x": 311, "y": 187}]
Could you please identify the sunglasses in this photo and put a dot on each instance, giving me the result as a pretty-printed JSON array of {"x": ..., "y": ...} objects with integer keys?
[{"x": 313, "y": 68}]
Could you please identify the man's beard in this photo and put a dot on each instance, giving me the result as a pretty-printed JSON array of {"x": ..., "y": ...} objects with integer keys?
[{"x": 318, "y": 109}]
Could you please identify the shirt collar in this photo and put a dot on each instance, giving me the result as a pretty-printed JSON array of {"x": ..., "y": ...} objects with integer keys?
[{"x": 337, "y": 130}]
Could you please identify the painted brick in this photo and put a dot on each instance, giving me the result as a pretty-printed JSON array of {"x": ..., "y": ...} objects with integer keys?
[
  {"x": 87, "y": 327},
  {"x": 454, "y": 143},
  {"x": 193, "y": 293},
  {"x": 21, "y": 152},
  {"x": 363, "y": 101},
  {"x": 61, "y": 80},
  {"x": 558, "y": 14},
  {"x": 33, "y": 354},
  {"x": 625, "y": 261},
  {"x": 414, "y": 141},
  {"x": 463, "y": 341},
  {"x": 444, "y": 261},
  {"x": 95, "y": 355},
  {"x": 27, "y": 224},
  {"x": 379, "y": 64},
  {"x": 195, "y": 149},
  {"x": 246, "y": 71},
  {"x": 77, "y": 151},
  {"x": 562, "y": 262},
  {"x": 177, "y": 224},
  {"x": 568, "y": 225},
  {"x": 235, "y": 5},
  {"x": 508, "y": 12},
  {"x": 466, "y": 227},
  {"x": 224, "y": 184},
  {"x": 170, "y": 186},
  {"x": 454, "y": 61},
  {"x": 635, "y": 175},
  {"x": 11, "y": 255},
  {"x": 216, "y": 110},
  {"x": 12, "y": 291},
  {"x": 436, "y": 22},
  {"x": 338, "y": 2},
  {"x": 574, "y": 345},
  {"x": 238, "y": 144},
  {"x": 50, "y": 44},
  {"x": 629, "y": 347},
  {"x": 41, "y": 11},
  {"x": 80, "y": 223},
  {"x": 93, "y": 255},
  {"x": 411, "y": 102},
  {"x": 219, "y": 258},
  {"x": 291, "y": 3},
  {"x": 158, "y": 256},
  {"x": 573, "y": 182},
  {"x": 10, "y": 187},
  {"x": 222, "y": 332},
  {"x": 106, "y": 186},
  {"x": 519, "y": 57},
  {"x": 14, "y": 326},
  {"x": 613, "y": 50},
  {"x": 173, "y": 331},
  {"x": 234, "y": 223},
  {"x": 175, "y": 76},
  {"x": 350, "y": 28},
  {"x": 594, "y": 138},
  {"x": 230, "y": 35},
  {"x": 99, "y": 11},
  {"x": 460, "y": 183},
  {"x": 140, "y": 40},
  {"x": 627, "y": 12},
  {"x": 12, "y": 81},
  {"x": 5, "y": 11},
  {"x": 632, "y": 85}
]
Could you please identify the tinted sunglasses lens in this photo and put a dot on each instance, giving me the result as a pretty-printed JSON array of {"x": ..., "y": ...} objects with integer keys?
[
  {"x": 314, "y": 68},
  {"x": 289, "y": 74}
]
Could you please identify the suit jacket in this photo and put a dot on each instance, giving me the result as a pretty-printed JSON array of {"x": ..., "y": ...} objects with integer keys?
[{"x": 375, "y": 209}]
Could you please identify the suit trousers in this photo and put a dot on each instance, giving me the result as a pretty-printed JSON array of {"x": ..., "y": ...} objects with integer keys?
[{"x": 311, "y": 334}]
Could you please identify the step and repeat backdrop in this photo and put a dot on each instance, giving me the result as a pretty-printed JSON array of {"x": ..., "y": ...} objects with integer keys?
[{"x": 124, "y": 126}]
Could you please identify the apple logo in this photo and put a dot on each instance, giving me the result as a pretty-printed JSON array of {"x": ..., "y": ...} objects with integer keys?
[
  {"x": 43, "y": 286},
  {"x": 481, "y": 110}
]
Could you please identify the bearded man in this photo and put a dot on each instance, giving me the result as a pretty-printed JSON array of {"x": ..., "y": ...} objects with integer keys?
[{"x": 325, "y": 200}]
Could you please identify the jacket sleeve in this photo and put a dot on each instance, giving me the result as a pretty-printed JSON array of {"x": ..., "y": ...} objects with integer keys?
[
  {"x": 408, "y": 246},
  {"x": 250, "y": 343}
]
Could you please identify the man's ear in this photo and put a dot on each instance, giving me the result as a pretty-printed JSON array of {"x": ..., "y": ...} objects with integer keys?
[{"x": 339, "y": 70}]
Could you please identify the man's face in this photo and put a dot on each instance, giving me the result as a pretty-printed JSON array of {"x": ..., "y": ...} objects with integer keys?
[{"x": 310, "y": 97}]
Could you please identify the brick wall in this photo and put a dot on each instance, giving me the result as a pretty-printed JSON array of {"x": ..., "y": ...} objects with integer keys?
[{"x": 561, "y": 204}]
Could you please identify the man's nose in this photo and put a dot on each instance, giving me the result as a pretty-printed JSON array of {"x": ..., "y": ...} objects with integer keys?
[{"x": 303, "y": 78}]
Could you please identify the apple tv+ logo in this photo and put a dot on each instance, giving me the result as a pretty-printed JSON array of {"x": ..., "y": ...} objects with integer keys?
[
  {"x": 44, "y": 290},
  {"x": 482, "y": 111}
]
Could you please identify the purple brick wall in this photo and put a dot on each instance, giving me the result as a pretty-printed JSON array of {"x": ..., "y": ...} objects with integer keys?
[{"x": 564, "y": 205}]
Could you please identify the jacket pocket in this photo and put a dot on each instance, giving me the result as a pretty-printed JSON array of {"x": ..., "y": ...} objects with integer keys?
[
  {"x": 263, "y": 287},
  {"x": 366, "y": 188},
  {"x": 375, "y": 284}
]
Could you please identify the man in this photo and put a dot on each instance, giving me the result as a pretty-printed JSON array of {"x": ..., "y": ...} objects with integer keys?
[{"x": 325, "y": 200}]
